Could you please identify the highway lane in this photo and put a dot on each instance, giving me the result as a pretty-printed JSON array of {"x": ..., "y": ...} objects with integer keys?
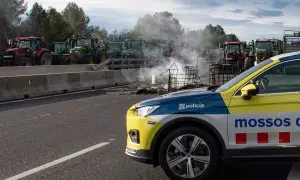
[{"x": 41, "y": 131}]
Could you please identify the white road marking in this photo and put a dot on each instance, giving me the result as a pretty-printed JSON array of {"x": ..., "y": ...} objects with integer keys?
[
  {"x": 294, "y": 173},
  {"x": 58, "y": 161},
  {"x": 43, "y": 115}
]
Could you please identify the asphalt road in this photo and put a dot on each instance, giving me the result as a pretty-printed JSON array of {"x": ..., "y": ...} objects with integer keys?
[{"x": 34, "y": 133}]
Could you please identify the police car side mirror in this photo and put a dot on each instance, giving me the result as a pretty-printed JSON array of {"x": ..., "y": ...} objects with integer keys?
[{"x": 248, "y": 91}]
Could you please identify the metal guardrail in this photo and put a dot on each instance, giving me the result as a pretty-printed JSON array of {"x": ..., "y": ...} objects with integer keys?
[{"x": 117, "y": 64}]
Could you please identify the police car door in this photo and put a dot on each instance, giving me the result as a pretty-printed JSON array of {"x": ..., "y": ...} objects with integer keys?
[{"x": 272, "y": 117}]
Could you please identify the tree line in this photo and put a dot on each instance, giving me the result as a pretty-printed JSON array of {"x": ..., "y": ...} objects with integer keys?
[{"x": 72, "y": 21}]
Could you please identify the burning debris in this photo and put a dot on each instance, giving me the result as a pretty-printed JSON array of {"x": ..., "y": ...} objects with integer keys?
[{"x": 151, "y": 90}]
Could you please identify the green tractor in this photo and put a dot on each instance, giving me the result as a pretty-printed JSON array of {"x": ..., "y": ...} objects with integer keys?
[
  {"x": 84, "y": 51},
  {"x": 263, "y": 50},
  {"x": 60, "y": 52},
  {"x": 114, "y": 49},
  {"x": 138, "y": 48},
  {"x": 133, "y": 48},
  {"x": 277, "y": 46}
]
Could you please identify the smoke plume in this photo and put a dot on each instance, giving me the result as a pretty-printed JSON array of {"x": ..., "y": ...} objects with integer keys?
[{"x": 188, "y": 48}]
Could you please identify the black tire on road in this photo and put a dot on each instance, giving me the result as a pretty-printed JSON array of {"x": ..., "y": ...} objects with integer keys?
[
  {"x": 207, "y": 141},
  {"x": 46, "y": 59}
]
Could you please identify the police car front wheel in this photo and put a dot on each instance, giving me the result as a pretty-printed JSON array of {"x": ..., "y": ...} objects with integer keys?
[{"x": 188, "y": 153}]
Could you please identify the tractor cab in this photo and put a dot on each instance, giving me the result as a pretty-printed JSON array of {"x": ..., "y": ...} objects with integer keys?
[
  {"x": 133, "y": 48},
  {"x": 277, "y": 46},
  {"x": 232, "y": 52},
  {"x": 114, "y": 49},
  {"x": 83, "y": 45},
  {"x": 60, "y": 47},
  {"x": 263, "y": 50},
  {"x": 31, "y": 43},
  {"x": 84, "y": 50},
  {"x": 60, "y": 52}
]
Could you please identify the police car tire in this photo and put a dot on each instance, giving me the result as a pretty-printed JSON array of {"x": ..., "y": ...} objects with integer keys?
[{"x": 210, "y": 141}]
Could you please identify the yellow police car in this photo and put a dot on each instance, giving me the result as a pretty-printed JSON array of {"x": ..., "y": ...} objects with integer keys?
[{"x": 255, "y": 115}]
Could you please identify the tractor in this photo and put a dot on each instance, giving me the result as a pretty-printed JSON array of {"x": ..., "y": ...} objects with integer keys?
[
  {"x": 263, "y": 50},
  {"x": 114, "y": 49},
  {"x": 231, "y": 61},
  {"x": 27, "y": 51},
  {"x": 233, "y": 54},
  {"x": 60, "y": 52},
  {"x": 85, "y": 50},
  {"x": 277, "y": 46},
  {"x": 133, "y": 48}
]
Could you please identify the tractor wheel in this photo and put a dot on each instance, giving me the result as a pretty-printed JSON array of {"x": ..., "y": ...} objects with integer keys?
[
  {"x": 26, "y": 61},
  {"x": 240, "y": 64},
  {"x": 46, "y": 59},
  {"x": 249, "y": 62},
  {"x": 74, "y": 58},
  {"x": 1, "y": 61},
  {"x": 22, "y": 61}
]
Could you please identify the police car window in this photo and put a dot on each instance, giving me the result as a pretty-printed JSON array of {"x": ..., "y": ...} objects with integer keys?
[
  {"x": 240, "y": 77},
  {"x": 284, "y": 77}
]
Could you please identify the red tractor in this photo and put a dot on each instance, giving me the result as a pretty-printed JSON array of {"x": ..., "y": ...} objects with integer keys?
[
  {"x": 233, "y": 54},
  {"x": 27, "y": 51}
]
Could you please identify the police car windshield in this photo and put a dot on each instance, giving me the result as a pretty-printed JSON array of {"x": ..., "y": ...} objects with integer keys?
[{"x": 240, "y": 77}]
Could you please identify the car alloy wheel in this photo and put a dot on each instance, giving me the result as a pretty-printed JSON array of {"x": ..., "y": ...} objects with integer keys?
[{"x": 188, "y": 156}]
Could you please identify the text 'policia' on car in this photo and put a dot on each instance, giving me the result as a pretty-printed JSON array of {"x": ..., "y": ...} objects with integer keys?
[{"x": 188, "y": 132}]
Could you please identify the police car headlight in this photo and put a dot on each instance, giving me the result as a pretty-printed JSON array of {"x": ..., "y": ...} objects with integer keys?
[{"x": 145, "y": 111}]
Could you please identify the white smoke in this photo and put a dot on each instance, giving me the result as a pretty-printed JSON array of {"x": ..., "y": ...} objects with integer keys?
[
  {"x": 192, "y": 51},
  {"x": 189, "y": 48}
]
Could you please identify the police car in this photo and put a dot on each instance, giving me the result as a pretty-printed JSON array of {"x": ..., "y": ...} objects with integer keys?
[{"x": 255, "y": 115}]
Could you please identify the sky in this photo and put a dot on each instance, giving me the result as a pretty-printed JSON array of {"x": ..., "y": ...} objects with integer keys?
[{"x": 248, "y": 19}]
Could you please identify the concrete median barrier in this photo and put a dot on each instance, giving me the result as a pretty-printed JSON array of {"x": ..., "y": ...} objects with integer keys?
[
  {"x": 118, "y": 78},
  {"x": 87, "y": 80},
  {"x": 25, "y": 86},
  {"x": 49, "y": 69},
  {"x": 57, "y": 83},
  {"x": 4, "y": 88},
  {"x": 99, "y": 79},
  {"x": 18, "y": 87},
  {"x": 74, "y": 82}
]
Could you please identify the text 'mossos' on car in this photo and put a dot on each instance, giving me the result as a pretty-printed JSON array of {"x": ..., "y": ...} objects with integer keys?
[{"x": 256, "y": 114}]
